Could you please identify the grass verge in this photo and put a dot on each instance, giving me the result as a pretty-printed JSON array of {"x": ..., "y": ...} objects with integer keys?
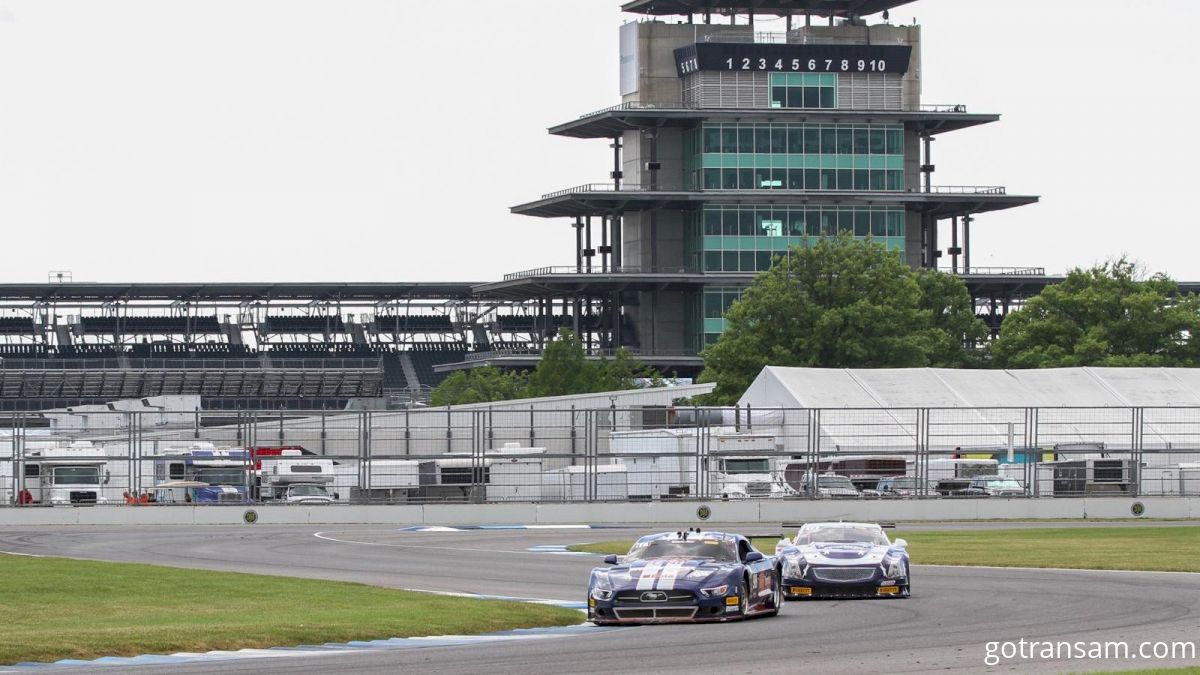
[
  {"x": 57, "y": 608},
  {"x": 1170, "y": 549}
]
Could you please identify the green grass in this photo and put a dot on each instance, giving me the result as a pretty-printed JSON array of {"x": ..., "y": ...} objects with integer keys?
[
  {"x": 1171, "y": 549},
  {"x": 57, "y": 608}
]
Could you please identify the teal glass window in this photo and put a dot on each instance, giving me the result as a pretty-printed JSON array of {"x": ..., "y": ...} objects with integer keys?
[
  {"x": 734, "y": 156},
  {"x": 803, "y": 90}
]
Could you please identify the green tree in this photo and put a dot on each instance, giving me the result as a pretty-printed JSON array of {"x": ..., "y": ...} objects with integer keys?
[
  {"x": 478, "y": 385},
  {"x": 841, "y": 303},
  {"x": 563, "y": 370},
  {"x": 1107, "y": 315}
]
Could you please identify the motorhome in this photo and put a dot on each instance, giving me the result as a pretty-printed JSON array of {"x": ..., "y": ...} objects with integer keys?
[
  {"x": 662, "y": 463},
  {"x": 742, "y": 466},
  {"x": 227, "y": 473},
  {"x": 72, "y": 475},
  {"x": 277, "y": 474}
]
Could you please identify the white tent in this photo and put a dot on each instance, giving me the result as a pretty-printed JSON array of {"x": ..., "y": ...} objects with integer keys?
[{"x": 885, "y": 408}]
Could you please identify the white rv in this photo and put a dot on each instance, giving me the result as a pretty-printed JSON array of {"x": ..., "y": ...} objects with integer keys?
[{"x": 64, "y": 476}]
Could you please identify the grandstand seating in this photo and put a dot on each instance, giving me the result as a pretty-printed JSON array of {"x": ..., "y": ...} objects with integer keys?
[
  {"x": 416, "y": 323},
  {"x": 149, "y": 325},
  {"x": 16, "y": 325},
  {"x": 304, "y": 325}
]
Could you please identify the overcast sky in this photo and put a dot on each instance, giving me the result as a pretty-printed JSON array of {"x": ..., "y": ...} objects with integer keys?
[{"x": 384, "y": 140}]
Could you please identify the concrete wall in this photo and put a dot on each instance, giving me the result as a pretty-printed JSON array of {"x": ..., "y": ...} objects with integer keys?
[{"x": 670, "y": 513}]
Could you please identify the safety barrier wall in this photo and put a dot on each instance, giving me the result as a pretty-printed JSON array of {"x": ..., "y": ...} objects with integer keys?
[{"x": 670, "y": 514}]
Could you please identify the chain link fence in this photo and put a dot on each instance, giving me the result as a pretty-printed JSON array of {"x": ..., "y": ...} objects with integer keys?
[{"x": 596, "y": 454}]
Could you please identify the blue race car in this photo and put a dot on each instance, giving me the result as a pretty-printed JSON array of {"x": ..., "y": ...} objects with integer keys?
[
  {"x": 686, "y": 576},
  {"x": 843, "y": 560}
]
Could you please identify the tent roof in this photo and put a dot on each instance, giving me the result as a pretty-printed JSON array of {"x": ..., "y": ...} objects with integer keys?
[{"x": 877, "y": 408}]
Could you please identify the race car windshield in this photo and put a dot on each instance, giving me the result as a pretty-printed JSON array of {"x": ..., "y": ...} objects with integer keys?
[
  {"x": 842, "y": 535},
  {"x": 722, "y": 551}
]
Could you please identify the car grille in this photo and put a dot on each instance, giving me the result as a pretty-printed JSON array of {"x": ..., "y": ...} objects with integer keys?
[
  {"x": 655, "y": 612},
  {"x": 83, "y": 497},
  {"x": 844, "y": 574},
  {"x": 758, "y": 488},
  {"x": 637, "y": 598},
  {"x": 845, "y": 591}
]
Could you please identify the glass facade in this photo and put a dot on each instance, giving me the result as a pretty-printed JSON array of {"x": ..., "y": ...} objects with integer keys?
[
  {"x": 736, "y": 238},
  {"x": 732, "y": 156},
  {"x": 717, "y": 301},
  {"x": 803, "y": 90}
]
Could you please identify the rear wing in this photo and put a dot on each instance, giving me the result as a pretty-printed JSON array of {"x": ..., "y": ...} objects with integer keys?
[{"x": 798, "y": 525}]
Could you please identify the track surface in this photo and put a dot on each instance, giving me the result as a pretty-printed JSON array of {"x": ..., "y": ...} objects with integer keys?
[{"x": 945, "y": 626}]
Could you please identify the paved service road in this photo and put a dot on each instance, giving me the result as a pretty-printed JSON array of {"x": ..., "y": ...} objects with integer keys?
[{"x": 945, "y": 625}]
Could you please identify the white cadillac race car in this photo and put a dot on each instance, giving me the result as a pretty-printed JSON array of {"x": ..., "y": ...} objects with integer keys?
[{"x": 843, "y": 560}]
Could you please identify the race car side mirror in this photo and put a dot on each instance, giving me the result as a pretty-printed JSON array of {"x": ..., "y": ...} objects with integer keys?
[
  {"x": 610, "y": 559},
  {"x": 753, "y": 556},
  {"x": 900, "y": 543}
]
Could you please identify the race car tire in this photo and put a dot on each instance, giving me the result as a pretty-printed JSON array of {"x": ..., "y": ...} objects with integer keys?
[
  {"x": 744, "y": 598},
  {"x": 777, "y": 597},
  {"x": 906, "y": 589}
]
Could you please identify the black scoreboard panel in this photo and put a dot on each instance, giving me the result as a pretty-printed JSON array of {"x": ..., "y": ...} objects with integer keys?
[{"x": 789, "y": 58}]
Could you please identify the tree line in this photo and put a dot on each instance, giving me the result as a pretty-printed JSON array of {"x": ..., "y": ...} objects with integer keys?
[{"x": 853, "y": 303}]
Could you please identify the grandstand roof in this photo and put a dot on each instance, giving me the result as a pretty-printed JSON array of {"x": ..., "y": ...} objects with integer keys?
[
  {"x": 777, "y": 7},
  {"x": 215, "y": 292}
]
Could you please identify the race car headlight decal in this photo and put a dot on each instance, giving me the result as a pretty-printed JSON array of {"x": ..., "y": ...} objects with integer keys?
[
  {"x": 602, "y": 593},
  {"x": 715, "y": 592},
  {"x": 893, "y": 569},
  {"x": 794, "y": 567}
]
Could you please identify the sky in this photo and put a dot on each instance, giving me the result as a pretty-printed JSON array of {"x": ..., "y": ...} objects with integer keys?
[{"x": 384, "y": 140}]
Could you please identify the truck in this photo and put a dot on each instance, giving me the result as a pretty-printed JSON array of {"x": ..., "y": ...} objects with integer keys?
[
  {"x": 291, "y": 476},
  {"x": 227, "y": 473},
  {"x": 742, "y": 466},
  {"x": 661, "y": 463},
  {"x": 74, "y": 475}
]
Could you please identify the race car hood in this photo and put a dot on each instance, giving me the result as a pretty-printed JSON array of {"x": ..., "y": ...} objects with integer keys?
[
  {"x": 665, "y": 573},
  {"x": 829, "y": 553}
]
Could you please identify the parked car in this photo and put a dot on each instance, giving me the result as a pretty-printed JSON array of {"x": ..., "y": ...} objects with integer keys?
[
  {"x": 686, "y": 576},
  {"x": 994, "y": 486},
  {"x": 830, "y": 486},
  {"x": 843, "y": 560},
  {"x": 903, "y": 486}
]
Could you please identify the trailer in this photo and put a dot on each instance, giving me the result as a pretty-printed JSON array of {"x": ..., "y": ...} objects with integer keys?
[
  {"x": 515, "y": 474},
  {"x": 277, "y": 474},
  {"x": 952, "y": 476},
  {"x": 569, "y": 484}
]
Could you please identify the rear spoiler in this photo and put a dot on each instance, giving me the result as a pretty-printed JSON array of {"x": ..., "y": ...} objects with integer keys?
[{"x": 798, "y": 525}]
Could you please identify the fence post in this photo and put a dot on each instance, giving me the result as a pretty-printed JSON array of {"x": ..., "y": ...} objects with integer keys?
[{"x": 1135, "y": 449}]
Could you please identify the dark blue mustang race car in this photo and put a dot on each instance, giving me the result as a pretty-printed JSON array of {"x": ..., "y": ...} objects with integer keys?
[
  {"x": 843, "y": 560},
  {"x": 685, "y": 576}
]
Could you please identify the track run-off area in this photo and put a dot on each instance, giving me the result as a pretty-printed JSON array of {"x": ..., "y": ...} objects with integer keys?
[{"x": 954, "y": 612}]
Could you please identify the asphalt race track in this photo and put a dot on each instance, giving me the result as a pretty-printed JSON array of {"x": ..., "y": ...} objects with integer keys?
[{"x": 944, "y": 626}]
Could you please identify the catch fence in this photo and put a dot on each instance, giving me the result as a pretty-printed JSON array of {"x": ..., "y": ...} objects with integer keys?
[{"x": 480, "y": 455}]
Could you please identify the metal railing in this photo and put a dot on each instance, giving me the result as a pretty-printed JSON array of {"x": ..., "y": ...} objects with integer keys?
[
  {"x": 1000, "y": 271},
  {"x": 530, "y": 451},
  {"x": 996, "y": 190},
  {"x": 595, "y": 352},
  {"x": 682, "y": 105},
  {"x": 560, "y": 270}
]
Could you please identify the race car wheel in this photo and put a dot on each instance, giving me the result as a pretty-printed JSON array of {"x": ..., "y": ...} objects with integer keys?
[
  {"x": 906, "y": 589},
  {"x": 744, "y": 598},
  {"x": 777, "y": 592}
]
